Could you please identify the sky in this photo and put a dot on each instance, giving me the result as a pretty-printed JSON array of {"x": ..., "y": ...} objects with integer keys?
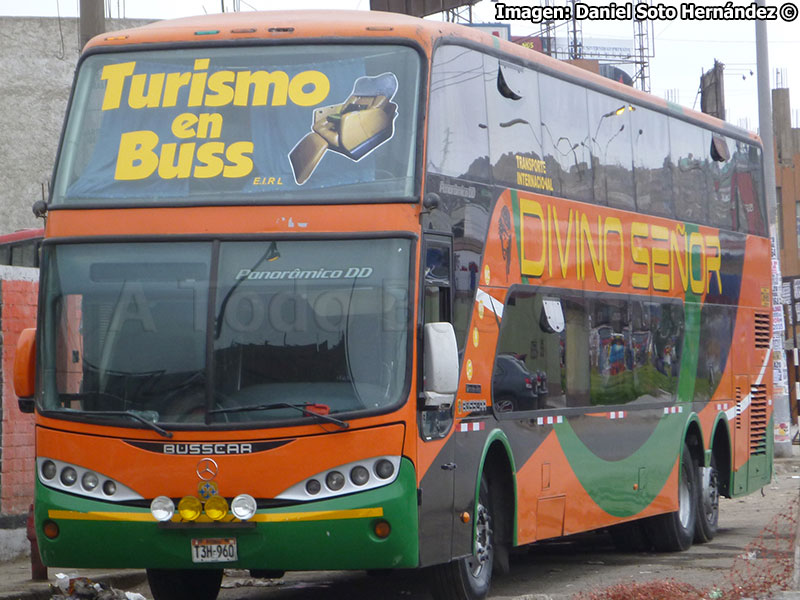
[{"x": 682, "y": 49}]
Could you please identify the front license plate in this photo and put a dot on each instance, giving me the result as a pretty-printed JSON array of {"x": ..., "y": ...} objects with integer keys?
[{"x": 214, "y": 550}]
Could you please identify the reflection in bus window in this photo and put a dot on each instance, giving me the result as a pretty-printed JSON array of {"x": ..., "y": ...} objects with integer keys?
[
  {"x": 652, "y": 162},
  {"x": 458, "y": 142},
  {"x": 537, "y": 367},
  {"x": 610, "y": 144},
  {"x": 515, "y": 129},
  {"x": 690, "y": 157},
  {"x": 565, "y": 137}
]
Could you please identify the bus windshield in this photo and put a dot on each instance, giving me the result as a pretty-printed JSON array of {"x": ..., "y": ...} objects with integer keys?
[
  {"x": 241, "y": 125},
  {"x": 233, "y": 332}
]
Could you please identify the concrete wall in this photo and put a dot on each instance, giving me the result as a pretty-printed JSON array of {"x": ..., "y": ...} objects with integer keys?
[{"x": 38, "y": 61}]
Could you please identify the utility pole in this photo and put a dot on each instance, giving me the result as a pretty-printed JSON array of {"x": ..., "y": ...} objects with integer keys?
[
  {"x": 92, "y": 20},
  {"x": 781, "y": 415}
]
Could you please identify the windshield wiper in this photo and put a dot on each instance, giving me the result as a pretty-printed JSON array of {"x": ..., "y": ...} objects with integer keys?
[
  {"x": 131, "y": 415},
  {"x": 300, "y": 407}
]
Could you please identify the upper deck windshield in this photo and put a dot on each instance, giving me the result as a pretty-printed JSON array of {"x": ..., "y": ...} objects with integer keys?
[
  {"x": 241, "y": 125},
  {"x": 295, "y": 327}
]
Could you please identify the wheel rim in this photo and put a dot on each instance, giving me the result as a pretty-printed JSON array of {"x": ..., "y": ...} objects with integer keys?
[
  {"x": 684, "y": 500},
  {"x": 710, "y": 494},
  {"x": 483, "y": 542}
]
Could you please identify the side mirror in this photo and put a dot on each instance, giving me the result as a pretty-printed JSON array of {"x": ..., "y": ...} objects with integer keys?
[
  {"x": 441, "y": 365},
  {"x": 25, "y": 369}
]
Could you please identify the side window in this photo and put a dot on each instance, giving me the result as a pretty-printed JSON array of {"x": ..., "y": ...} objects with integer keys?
[
  {"x": 721, "y": 205},
  {"x": 515, "y": 128},
  {"x": 656, "y": 340},
  {"x": 610, "y": 352},
  {"x": 651, "y": 162},
  {"x": 541, "y": 359},
  {"x": 610, "y": 146},
  {"x": 438, "y": 279},
  {"x": 458, "y": 141},
  {"x": 667, "y": 329},
  {"x": 565, "y": 138},
  {"x": 747, "y": 188},
  {"x": 690, "y": 164},
  {"x": 634, "y": 350}
]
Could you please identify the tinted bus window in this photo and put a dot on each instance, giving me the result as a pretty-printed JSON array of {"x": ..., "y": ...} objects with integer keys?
[
  {"x": 565, "y": 138},
  {"x": 652, "y": 172},
  {"x": 610, "y": 146},
  {"x": 515, "y": 130},
  {"x": 539, "y": 366},
  {"x": 748, "y": 189},
  {"x": 690, "y": 158},
  {"x": 458, "y": 140},
  {"x": 720, "y": 176}
]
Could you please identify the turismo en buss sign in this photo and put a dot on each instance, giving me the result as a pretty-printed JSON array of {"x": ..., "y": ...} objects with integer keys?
[{"x": 229, "y": 123}]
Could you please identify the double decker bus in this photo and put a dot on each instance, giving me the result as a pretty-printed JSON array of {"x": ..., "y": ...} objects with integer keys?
[{"x": 353, "y": 290}]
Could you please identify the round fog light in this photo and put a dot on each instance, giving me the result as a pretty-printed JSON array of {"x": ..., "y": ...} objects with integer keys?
[
  {"x": 216, "y": 508},
  {"x": 334, "y": 480},
  {"x": 69, "y": 476},
  {"x": 382, "y": 529},
  {"x": 162, "y": 508},
  {"x": 384, "y": 469},
  {"x": 109, "y": 487},
  {"x": 89, "y": 481},
  {"x": 48, "y": 469},
  {"x": 313, "y": 487},
  {"x": 359, "y": 475},
  {"x": 189, "y": 508},
  {"x": 243, "y": 507}
]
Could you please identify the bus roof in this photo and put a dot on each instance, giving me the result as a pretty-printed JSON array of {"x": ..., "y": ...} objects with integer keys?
[{"x": 331, "y": 25}]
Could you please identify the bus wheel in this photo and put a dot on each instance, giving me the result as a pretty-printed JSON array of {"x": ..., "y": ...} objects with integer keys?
[
  {"x": 674, "y": 532},
  {"x": 469, "y": 578},
  {"x": 184, "y": 584},
  {"x": 707, "y": 503}
]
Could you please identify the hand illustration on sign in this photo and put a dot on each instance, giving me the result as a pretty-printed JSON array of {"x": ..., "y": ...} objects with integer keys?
[{"x": 353, "y": 128}]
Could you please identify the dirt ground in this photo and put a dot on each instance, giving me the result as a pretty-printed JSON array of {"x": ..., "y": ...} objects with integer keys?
[{"x": 579, "y": 565}]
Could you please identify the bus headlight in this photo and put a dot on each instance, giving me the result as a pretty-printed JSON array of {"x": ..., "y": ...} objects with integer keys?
[
  {"x": 243, "y": 507},
  {"x": 89, "y": 481},
  {"x": 72, "y": 478},
  {"x": 162, "y": 508},
  {"x": 353, "y": 477},
  {"x": 69, "y": 476}
]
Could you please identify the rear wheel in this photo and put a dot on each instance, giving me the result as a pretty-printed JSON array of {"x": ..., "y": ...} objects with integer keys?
[
  {"x": 674, "y": 532},
  {"x": 469, "y": 578},
  {"x": 707, "y": 503},
  {"x": 184, "y": 584}
]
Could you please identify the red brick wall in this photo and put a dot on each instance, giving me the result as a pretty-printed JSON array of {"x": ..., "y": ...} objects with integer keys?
[{"x": 17, "y": 312}]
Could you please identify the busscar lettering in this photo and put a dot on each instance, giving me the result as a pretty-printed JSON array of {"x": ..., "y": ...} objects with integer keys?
[
  {"x": 573, "y": 243},
  {"x": 200, "y": 449}
]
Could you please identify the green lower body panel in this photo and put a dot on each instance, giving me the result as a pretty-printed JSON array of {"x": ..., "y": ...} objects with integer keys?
[
  {"x": 757, "y": 471},
  {"x": 337, "y": 533}
]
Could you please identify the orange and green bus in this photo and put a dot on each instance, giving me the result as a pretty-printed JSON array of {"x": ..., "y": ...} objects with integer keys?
[{"x": 353, "y": 290}]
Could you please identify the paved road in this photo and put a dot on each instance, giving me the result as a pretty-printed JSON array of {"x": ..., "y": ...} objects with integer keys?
[{"x": 559, "y": 570}]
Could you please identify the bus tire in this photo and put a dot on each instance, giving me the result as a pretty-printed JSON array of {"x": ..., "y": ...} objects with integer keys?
[
  {"x": 184, "y": 584},
  {"x": 469, "y": 578},
  {"x": 707, "y": 503},
  {"x": 674, "y": 532}
]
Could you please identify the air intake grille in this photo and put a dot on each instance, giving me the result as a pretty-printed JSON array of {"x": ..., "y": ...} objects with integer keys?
[
  {"x": 758, "y": 419},
  {"x": 738, "y": 407},
  {"x": 761, "y": 324}
]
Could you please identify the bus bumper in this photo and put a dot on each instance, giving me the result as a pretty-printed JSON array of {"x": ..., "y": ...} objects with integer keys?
[{"x": 333, "y": 534}]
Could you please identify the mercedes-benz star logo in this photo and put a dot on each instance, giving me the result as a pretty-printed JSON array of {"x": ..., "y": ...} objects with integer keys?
[{"x": 207, "y": 469}]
